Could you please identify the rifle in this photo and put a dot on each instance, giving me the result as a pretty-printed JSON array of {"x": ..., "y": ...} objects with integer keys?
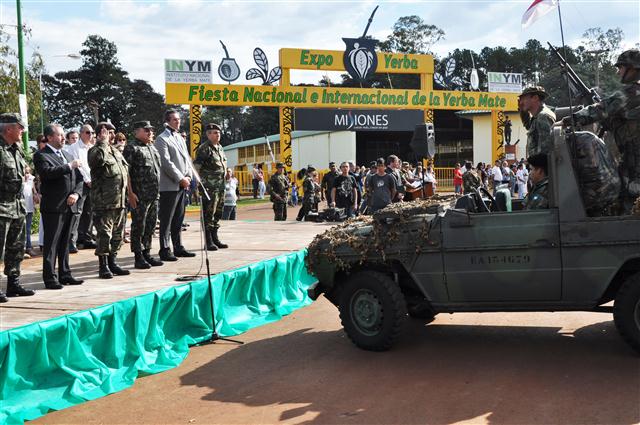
[{"x": 576, "y": 82}]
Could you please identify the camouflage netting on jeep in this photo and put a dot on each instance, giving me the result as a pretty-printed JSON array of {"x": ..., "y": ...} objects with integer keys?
[{"x": 386, "y": 224}]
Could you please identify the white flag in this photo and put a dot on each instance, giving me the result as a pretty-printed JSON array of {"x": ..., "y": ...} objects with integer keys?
[{"x": 537, "y": 9}]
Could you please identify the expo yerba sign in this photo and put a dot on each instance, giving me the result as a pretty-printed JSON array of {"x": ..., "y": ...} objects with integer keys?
[{"x": 334, "y": 97}]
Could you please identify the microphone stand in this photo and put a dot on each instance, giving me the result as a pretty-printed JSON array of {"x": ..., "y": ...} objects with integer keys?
[{"x": 214, "y": 335}]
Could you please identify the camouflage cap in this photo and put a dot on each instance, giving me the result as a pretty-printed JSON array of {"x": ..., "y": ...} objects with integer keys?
[
  {"x": 212, "y": 126},
  {"x": 534, "y": 90},
  {"x": 629, "y": 58},
  {"x": 279, "y": 165},
  {"x": 142, "y": 124},
  {"x": 12, "y": 118}
]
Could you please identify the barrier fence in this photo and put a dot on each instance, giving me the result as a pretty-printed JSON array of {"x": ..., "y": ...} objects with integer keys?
[{"x": 444, "y": 177}]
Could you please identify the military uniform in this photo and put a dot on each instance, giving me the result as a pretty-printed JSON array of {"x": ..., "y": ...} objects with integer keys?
[
  {"x": 539, "y": 127},
  {"x": 12, "y": 207},
  {"x": 211, "y": 163},
  {"x": 278, "y": 191},
  {"x": 538, "y": 198},
  {"x": 309, "y": 188},
  {"x": 470, "y": 181},
  {"x": 620, "y": 114},
  {"x": 109, "y": 175},
  {"x": 12, "y": 210},
  {"x": 144, "y": 173}
]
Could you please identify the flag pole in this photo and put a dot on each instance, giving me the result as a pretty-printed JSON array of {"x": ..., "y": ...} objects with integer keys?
[{"x": 566, "y": 75}]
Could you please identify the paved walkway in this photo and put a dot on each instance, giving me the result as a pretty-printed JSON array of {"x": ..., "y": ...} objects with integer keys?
[{"x": 254, "y": 237}]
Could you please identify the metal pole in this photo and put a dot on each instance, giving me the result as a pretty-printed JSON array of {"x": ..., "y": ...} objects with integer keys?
[
  {"x": 41, "y": 104},
  {"x": 23, "y": 82}
]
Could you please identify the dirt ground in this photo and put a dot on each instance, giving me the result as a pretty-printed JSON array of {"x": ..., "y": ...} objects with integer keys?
[
  {"x": 500, "y": 368},
  {"x": 517, "y": 368}
]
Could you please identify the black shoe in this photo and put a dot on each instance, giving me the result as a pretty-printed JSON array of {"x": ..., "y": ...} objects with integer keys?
[
  {"x": 181, "y": 252},
  {"x": 216, "y": 241},
  {"x": 103, "y": 268},
  {"x": 14, "y": 289},
  {"x": 70, "y": 280},
  {"x": 166, "y": 255},
  {"x": 87, "y": 244},
  {"x": 115, "y": 267},
  {"x": 3, "y": 297},
  {"x": 149, "y": 259},
  {"x": 140, "y": 262},
  {"x": 53, "y": 284},
  {"x": 73, "y": 249}
]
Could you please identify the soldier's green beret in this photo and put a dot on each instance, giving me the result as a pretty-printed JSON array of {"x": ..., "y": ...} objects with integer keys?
[
  {"x": 279, "y": 165},
  {"x": 212, "y": 126},
  {"x": 12, "y": 118},
  {"x": 537, "y": 90},
  {"x": 142, "y": 124}
]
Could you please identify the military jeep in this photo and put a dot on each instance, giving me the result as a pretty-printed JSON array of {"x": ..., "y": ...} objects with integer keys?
[{"x": 470, "y": 254}]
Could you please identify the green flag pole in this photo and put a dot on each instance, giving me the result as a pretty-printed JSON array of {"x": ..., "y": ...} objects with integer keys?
[{"x": 23, "y": 82}]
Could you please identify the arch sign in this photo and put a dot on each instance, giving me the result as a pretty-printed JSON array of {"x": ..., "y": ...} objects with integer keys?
[{"x": 360, "y": 61}]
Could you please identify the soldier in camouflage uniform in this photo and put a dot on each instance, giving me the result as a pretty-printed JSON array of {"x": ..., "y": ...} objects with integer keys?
[
  {"x": 470, "y": 179},
  {"x": 538, "y": 119},
  {"x": 620, "y": 114},
  {"x": 211, "y": 164},
  {"x": 279, "y": 191},
  {"x": 12, "y": 206},
  {"x": 109, "y": 176},
  {"x": 309, "y": 188},
  {"x": 538, "y": 198},
  {"x": 144, "y": 184}
]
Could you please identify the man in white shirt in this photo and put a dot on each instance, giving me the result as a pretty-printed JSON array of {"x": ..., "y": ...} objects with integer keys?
[
  {"x": 496, "y": 175},
  {"x": 521, "y": 179},
  {"x": 81, "y": 223}
]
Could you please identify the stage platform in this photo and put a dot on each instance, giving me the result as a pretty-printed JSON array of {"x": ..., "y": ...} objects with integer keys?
[{"x": 250, "y": 240}]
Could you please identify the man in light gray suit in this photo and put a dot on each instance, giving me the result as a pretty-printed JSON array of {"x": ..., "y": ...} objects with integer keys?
[{"x": 175, "y": 176}]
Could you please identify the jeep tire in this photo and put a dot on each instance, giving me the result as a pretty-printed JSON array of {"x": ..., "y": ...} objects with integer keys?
[
  {"x": 626, "y": 311},
  {"x": 373, "y": 310}
]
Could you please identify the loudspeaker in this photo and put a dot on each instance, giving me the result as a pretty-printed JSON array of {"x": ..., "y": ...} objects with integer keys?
[{"x": 423, "y": 141}]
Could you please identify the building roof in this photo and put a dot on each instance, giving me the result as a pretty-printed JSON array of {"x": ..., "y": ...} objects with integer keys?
[{"x": 272, "y": 138}]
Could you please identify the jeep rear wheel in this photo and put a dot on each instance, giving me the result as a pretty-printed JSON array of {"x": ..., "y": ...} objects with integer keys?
[
  {"x": 372, "y": 310},
  {"x": 626, "y": 311}
]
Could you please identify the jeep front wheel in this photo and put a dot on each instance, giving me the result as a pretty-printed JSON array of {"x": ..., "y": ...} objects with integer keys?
[
  {"x": 626, "y": 311},
  {"x": 372, "y": 310}
]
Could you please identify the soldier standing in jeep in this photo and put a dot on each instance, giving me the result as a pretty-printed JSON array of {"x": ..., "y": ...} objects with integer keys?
[{"x": 620, "y": 113}]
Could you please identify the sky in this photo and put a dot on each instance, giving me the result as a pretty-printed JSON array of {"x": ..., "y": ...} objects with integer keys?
[{"x": 146, "y": 32}]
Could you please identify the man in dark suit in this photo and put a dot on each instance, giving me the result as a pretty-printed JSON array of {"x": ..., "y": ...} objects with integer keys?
[{"x": 61, "y": 187}]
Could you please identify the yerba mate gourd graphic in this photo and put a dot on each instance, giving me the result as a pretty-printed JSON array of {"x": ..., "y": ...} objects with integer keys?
[
  {"x": 228, "y": 70},
  {"x": 360, "y": 58}
]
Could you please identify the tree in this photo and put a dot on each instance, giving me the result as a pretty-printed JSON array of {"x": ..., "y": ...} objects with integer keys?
[
  {"x": 9, "y": 80},
  {"x": 410, "y": 34},
  {"x": 101, "y": 89}
]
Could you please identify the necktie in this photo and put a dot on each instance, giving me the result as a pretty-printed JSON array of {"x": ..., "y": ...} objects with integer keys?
[{"x": 59, "y": 154}]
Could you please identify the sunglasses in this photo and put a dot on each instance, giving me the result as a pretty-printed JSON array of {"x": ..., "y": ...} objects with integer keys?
[{"x": 89, "y": 132}]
